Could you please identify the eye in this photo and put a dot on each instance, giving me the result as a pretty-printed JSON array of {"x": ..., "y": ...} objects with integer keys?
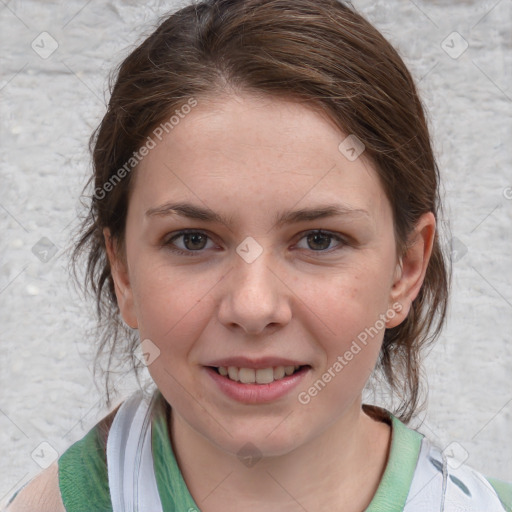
[
  {"x": 193, "y": 241},
  {"x": 319, "y": 241}
]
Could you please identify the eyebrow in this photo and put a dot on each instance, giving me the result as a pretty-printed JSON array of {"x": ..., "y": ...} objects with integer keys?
[{"x": 191, "y": 211}]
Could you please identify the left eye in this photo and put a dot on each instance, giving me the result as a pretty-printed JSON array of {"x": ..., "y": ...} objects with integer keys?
[{"x": 196, "y": 241}]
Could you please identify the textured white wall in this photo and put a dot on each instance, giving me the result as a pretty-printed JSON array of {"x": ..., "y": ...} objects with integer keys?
[{"x": 49, "y": 107}]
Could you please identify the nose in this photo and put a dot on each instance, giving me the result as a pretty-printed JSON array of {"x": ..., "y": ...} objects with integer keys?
[{"x": 255, "y": 297}]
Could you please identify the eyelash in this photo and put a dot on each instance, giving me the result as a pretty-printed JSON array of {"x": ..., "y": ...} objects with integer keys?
[{"x": 168, "y": 242}]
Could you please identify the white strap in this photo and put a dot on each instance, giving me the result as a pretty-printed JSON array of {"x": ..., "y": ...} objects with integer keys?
[
  {"x": 429, "y": 480},
  {"x": 444, "y": 484},
  {"x": 131, "y": 475}
]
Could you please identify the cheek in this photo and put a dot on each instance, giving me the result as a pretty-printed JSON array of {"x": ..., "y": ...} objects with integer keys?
[
  {"x": 346, "y": 317},
  {"x": 172, "y": 305},
  {"x": 345, "y": 303},
  {"x": 173, "y": 310}
]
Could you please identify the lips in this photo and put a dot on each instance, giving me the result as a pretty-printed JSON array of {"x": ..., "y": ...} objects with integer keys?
[{"x": 256, "y": 393}]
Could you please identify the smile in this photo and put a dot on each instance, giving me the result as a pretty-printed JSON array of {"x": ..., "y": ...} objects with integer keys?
[
  {"x": 257, "y": 376},
  {"x": 257, "y": 385}
]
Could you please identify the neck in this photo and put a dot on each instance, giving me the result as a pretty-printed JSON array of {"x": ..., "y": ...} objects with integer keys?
[{"x": 343, "y": 465}]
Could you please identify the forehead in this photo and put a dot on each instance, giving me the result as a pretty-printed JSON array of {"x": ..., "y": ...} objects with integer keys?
[{"x": 264, "y": 153}]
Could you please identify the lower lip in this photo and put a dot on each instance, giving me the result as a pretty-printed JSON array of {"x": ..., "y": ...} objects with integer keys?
[{"x": 257, "y": 393}]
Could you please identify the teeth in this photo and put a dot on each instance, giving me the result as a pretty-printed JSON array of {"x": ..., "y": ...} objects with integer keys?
[
  {"x": 264, "y": 375},
  {"x": 289, "y": 370},
  {"x": 233, "y": 373},
  {"x": 279, "y": 372},
  {"x": 246, "y": 375},
  {"x": 260, "y": 376}
]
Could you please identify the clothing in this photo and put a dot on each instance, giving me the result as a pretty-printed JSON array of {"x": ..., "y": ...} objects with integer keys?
[{"x": 417, "y": 478}]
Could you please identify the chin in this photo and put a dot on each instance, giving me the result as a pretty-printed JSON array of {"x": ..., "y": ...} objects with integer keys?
[
  {"x": 252, "y": 448},
  {"x": 252, "y": 438}
]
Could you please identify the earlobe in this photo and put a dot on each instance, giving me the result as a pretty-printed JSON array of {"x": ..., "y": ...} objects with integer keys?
[
  {"x": 411, "y": 268},
  {"x": 120, "y": 276}
]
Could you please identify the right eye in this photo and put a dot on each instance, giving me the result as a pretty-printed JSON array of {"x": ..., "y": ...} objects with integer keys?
[{"x": 193, "y": 241}]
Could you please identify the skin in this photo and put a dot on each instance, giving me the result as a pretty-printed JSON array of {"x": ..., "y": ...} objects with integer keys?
[
  {"x": 41, "y": 493},
  {"x": 248, "y": 158}
]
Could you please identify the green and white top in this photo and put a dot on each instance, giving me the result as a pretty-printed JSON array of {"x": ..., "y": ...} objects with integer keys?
[{"x": 130, "y": 465}]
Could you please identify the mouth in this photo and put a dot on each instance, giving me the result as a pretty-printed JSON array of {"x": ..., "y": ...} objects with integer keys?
[{"x": 260, "y": 375}]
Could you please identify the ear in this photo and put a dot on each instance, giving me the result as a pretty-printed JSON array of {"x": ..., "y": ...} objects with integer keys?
[
  {"x": 410, "y": 270},
  {"x": 119, "y": 271}
]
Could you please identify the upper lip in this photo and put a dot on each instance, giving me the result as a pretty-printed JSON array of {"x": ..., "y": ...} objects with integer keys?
[{"x": 263, "y": 362}]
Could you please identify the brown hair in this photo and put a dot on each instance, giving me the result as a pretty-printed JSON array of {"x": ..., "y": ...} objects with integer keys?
[{"x": 317, "y": 51}]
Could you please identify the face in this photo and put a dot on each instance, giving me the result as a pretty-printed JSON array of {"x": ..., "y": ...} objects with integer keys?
[{"x": 259, "y": 283}]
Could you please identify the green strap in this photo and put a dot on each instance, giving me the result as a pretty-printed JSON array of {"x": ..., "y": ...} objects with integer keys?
[
  {"x": 504, "y": 492},
  {"x": 403, "y": 456},
  {"x": 83, "y": 476}
]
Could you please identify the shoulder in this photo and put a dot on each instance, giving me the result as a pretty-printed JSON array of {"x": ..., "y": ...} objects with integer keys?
[
  {"x": 436, "y": 479},
  {"x": 440, "y": 477},
  {"x": 41, "y": 494},
  {"x": 79, "y": 475},
  {"x": 469, "y": 486}
]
